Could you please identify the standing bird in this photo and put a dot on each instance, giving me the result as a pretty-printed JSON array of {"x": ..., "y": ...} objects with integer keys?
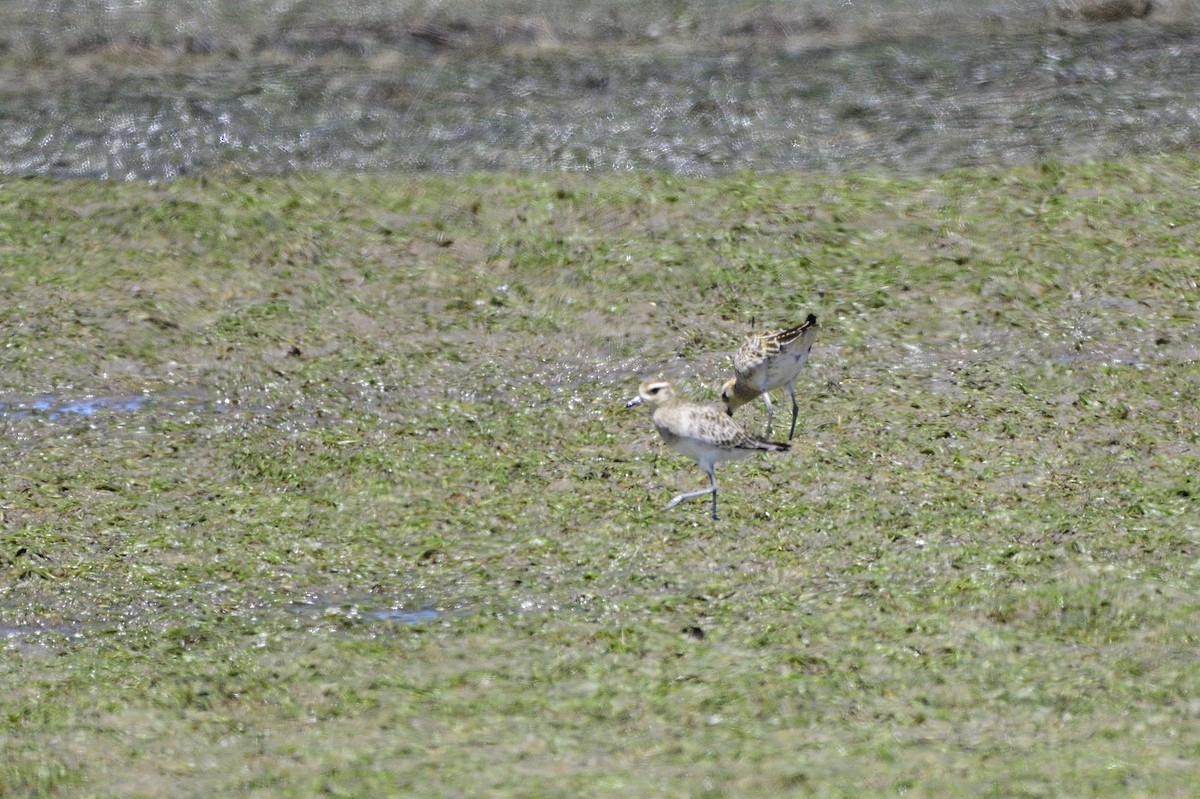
[
  {"x": 702, "y": 432},
  {"x": 767, "y": 361}
]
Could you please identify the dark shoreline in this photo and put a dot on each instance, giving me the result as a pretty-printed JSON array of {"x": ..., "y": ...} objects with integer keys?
[{"x": 774, "y": 94}]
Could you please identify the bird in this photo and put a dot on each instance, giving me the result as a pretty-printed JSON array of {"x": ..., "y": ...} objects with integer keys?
[
  {"x": 702, "y": 432},
  {"x": 767, "y": 361}
]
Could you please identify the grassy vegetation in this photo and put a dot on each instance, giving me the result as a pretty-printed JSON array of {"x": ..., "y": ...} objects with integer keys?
[{"x": 976, "y": 573}]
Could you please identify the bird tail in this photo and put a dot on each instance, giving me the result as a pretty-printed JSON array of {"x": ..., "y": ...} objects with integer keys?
[
  {"x": 767, "y": 446},
  {"x": 792, "y": 333}
]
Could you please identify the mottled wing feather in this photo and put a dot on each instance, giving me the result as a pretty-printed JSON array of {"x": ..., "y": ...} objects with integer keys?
[
  {"x": 750, "y": 355},
  {"x": 716, "y": 426},
  {"x": 712, "y": 424},
  {"x": 761, "y": 347}
]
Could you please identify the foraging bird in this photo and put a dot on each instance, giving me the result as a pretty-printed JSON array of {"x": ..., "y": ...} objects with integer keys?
[
  {"x": 767, "y": 361},
  {"x": 702, "y": 432}
]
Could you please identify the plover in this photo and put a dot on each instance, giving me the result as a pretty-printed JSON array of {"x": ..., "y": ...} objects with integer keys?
[
  {"x": 702, "y": 432},
  {"x": 767, "y": 361}
]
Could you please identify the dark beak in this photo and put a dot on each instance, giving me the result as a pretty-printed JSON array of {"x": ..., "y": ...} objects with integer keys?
[{"x": 634, "y": 401}]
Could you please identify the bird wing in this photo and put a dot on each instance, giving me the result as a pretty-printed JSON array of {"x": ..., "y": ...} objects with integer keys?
[
  {"x": 751, "y": 355},
  {"x": 761, "y": 347},
  {"x": 713, "y": 424}
]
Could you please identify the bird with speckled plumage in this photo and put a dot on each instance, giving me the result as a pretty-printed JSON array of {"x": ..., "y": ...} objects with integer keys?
[
  {"x": 767, "y": 361},
  {"x": 705, "y": 433}
]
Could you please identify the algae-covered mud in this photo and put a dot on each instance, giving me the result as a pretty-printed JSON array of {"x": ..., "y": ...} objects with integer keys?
[
  {"x": 322, "y": 484},
  {"x": 318, "y": 478}
]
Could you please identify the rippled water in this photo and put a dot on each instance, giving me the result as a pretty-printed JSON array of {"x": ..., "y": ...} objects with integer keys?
[{"x": 827, "y": 89}]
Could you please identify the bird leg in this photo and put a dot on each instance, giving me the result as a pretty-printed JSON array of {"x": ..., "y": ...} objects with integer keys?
[
  {"x": 689, "y": 495},
  {"x": 791, "y": 389},
  {"x": 770, "y": 413},
  {"x": 702, "y": 492}
]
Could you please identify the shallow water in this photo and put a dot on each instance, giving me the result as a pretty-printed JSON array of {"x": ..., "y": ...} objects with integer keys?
[
  {"x": 35, "y": 630},
  {"x": 55, "y": 408},
  {"x": 360, "y": 611},
  {"x": 351, "y": 96},
  {"x": 404, "y": 616},
  {"x": 63, "y": 407}
]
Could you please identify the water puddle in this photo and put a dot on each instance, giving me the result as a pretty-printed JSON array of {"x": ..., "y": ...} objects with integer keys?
[
  {"x": 33, "y": 630},
  {"x": 55, "y": 408},
  {"x": 404, "y": 616},
  {"x": 351, "y": 611},
  {"x": 41, "y": 638},
  {"x": 61, "y": 408}
]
